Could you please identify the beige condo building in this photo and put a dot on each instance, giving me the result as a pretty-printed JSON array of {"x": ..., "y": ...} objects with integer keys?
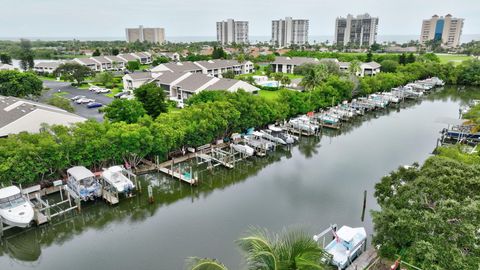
[
  {"x": 447, "y": 29},
  {"x": 153, "y": 35}
]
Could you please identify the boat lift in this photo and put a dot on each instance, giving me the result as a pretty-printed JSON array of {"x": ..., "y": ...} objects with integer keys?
[{"x": 218, "y": 156}]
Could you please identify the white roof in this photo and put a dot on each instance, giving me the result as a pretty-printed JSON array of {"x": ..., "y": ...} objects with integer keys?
[
  {"x": 347, "y": 233},
  {"x": 9, "y": 191},
  {"x": 80, "y": 172}
]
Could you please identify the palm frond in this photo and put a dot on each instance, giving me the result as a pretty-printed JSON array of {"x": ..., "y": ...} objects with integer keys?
[{"x": 195, "y": 263}]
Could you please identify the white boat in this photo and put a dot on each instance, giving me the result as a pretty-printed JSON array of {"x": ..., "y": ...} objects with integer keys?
[
  {"x": 82, "y": 181},
  {"x": 346, "y": 246},
  {"x": 117, "y": 178},
  {"x": 244, "y": 149},
  {"x": 15, "y": 208},
  {"x": 272, "y": 138}
]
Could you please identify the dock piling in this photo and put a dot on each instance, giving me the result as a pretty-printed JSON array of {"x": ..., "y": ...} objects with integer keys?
[{"x": 364, "y": 204}]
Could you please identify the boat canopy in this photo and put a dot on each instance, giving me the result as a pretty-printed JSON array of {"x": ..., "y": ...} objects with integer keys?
[
  {"x": 80, "y": 172},
  {"x": 9, "y": 192},
  {"x": 346, "y": 233}
]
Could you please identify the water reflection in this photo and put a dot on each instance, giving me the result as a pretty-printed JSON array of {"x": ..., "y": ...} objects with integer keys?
[{"x": 25, "y": 246}]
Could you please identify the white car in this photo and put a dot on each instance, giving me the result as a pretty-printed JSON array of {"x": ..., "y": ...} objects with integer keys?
[
  {"x": 102, "y": 91},
  {"x": 93, "y": 88},
  {"x": 77, "y": 97},
  {"x": 127, "y": 96},
  {"x": 84, "y": 100}
]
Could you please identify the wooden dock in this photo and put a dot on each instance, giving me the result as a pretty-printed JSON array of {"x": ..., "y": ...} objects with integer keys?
[
  {"x": 190, "y": 180},
  {"x": 364, "y": 260}
]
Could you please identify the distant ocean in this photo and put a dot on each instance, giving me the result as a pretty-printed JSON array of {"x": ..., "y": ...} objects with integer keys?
[{"x": 253, "y": 39}]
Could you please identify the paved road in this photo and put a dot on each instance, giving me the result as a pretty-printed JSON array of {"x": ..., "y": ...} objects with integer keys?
[{"x": 80, "y": 109}]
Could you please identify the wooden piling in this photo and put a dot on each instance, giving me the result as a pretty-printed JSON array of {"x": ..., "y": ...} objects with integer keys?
[{"x": 364, "y": 204}]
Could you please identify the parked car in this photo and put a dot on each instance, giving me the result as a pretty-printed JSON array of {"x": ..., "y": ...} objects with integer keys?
[
  {"x": 94, "y": 105},
  {"x": 102, "y": 91},
  {"x": 128, "y": 96},
  {"x": 93, "y": 88},
  {"x": 84, "y": 100},
  {"x": 119, "y": 95},
  {"x": 77, "y": 97}
]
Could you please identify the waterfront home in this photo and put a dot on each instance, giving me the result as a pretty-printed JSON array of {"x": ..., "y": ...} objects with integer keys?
[
  {"x": 179, "y": 86},
  {"x": 285, "y": 64},
  {"x": 47, "y": 67},
  {"x": 17, "y": 115},
  {"x": 211, "y": 67}
]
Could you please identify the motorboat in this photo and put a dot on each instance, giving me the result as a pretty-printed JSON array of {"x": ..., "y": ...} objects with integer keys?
[
  {"x": 328, "y": 119},
  {"x": 83, "y": 182},
  {"x": 346, "y": 245},
  {"x": 303, "y": 124},
  {"x": 15, "y": 209},
  {"x": 280, "y": 133},
  {"x": 244, "y": 149},
  {"x": 265, "y": 134},
  {"x": 116, "y": 178}
]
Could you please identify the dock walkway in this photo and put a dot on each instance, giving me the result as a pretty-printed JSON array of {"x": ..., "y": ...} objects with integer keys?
[{"x": 364, "y": 260}]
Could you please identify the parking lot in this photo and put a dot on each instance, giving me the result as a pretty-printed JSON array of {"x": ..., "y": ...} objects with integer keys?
[{"x": 80, "y": 109}]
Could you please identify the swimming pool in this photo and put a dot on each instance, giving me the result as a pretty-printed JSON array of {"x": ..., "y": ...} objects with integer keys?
[{"x": 269, "y": 83}]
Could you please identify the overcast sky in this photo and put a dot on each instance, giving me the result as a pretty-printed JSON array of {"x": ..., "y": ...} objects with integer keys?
[{"x": 108, "y": 18}]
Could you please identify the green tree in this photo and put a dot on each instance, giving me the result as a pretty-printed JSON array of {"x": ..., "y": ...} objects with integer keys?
[
  {"x": 285, "y": 80},
  {"x": 291, "y": 249},
  {"x": 19, "y": 84},
  {"x": 160, "y": 60},
  {"x": 402, "y": 59},
  {"x": 125, "y": 110},
  {"x": 96, "y": 53},
  {"x": 369, "y": 56},
  {"x": 389, "y": 66},
  {"x": 105, "y": 78},
  {"x": 115, "y": 51},
  {"x": 61, "y": 103},
  {"x": 410, "y": 58},
  {"x": 133, "y": 65},
  {"x": 314, "y": 77},
  {"x": 241, "y": 58},
  {"x": 152, "y": 98},
  {"x": 73, "y": 72},
  {"x": 26, "y": 54},
  {"x": 219, "y": 53},
  {"x": 228, "y": 74},
  {"x": 5, "y": 58},
  {"x": 354, "y": 68}
]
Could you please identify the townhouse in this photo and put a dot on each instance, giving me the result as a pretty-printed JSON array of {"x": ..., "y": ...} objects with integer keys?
[
  {"x": 46, "y": 67},
  {"x": 288, "y": 64},
  {"x": 213, "y": 68},
  {"x": 179, "y": 86}
]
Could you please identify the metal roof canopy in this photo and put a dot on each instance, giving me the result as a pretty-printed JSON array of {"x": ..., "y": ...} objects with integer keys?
[{"x": 80, "y": 172}]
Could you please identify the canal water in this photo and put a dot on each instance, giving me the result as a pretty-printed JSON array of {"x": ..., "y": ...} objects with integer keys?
[{"x": 319, "y": 182}]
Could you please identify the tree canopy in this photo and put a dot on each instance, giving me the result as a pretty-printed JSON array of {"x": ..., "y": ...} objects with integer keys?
[
  {"x": 73, "y": 72},
  {"x": 430, "y": 215},
  {"x": 19, "y": 84},
  {"x": 152, "y": 98},
  {"x": 125, "y": 110}
]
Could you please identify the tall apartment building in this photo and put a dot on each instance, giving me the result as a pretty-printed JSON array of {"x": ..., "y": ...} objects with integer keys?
[
  {"x": 289, "y": 32},
  {"x": 447, "y": 29},
  {"x": 230, "y": 31},
  {"x": 360, "y": 30},
  {"x": 153, "y": 35}
]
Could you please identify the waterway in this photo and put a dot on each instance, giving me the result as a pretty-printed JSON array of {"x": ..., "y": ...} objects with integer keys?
[{"x": 318, "y": 182}]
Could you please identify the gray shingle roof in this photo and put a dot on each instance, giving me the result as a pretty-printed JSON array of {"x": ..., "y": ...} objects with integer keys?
[
  {"x": 87, "y": 61},
  {"x": 18, "y": 115},
  {"x": 140, "y": 75},
  {"x": 128, "y": 57},
  {"x": 115, "y": 58},
  {"x": 222, "y": 84},
  {"x": 217, "y": 64},
  {"x": 102, "y": 59},
  {"x": 169, "y": 77},
  {"x": 194, "y": 82},
  {"x": 183, "y": 67},
  {"x": 53, "y": 64},
  {"x": 282, "y": 60}
]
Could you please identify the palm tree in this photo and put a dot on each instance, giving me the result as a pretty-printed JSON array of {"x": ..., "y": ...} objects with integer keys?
[
  {"x": 285, "y": 80},
  {"x": 354, "y": 67},
  {"x": 292, "y": 249},
  {"x": 195, "y": 263},
  {"x": 314, "y": 77}
]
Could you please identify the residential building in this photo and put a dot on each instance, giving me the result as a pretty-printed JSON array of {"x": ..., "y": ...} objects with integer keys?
[
  {"x": 88, "y": 62},
  {"x": 180, "y": 86},
  {"x": 289, "y": 32},
  {"x": 213, "y": 68},
  {"x": 46, "y": 67},
  {"x": 446, "y": 29},
  {"x": 152, "y": 35},
  {"x": 18, "y": 115},
  {"x": 173, "y": 56},
  {"x": 287, "y": 65},
  {"x": 6, "y": 67},
  {"x": 231, "y": 31},
  {"x": 360, "y": 30}
]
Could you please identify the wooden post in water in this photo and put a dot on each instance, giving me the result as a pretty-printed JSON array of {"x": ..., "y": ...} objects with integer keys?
[
  {"x": 1, "y": 227},
  {"x": 150, "y": 194},
  {"x": 364, "y": 204}
]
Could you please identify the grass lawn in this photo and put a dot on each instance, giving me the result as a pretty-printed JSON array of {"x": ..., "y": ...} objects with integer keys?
[
  {"x": 270, "y": 95},
  {"x": 454, "y": 58},
  {"x": 60, "y": 94},
  {"x": 114, "y": 91}
]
